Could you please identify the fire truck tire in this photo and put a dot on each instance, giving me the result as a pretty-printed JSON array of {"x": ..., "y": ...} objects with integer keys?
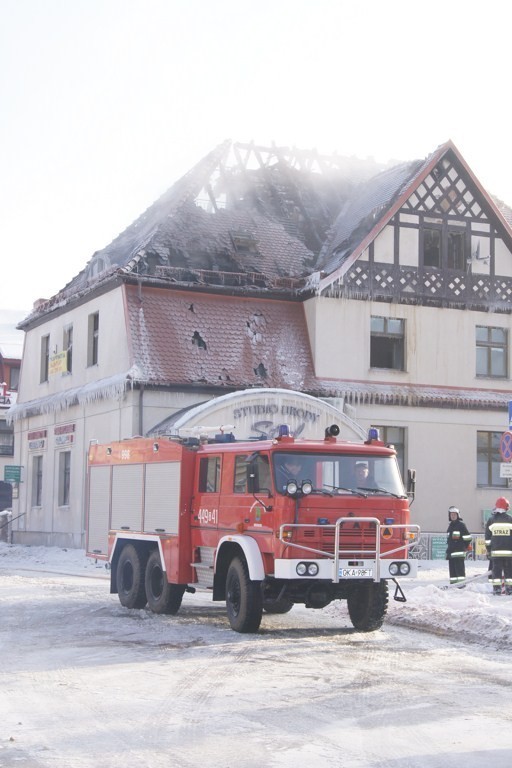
[
  {"x": 130, "y": 578},
  {"x": 367, "y": 605},
  {"x": 162, "y": 596},
  {"x": 277, "y": 606},
  {"x": 244, "y": 601}
]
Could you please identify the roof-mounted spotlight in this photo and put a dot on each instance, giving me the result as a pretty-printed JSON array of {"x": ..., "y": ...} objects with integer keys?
[{"x": 332, "y": 431}]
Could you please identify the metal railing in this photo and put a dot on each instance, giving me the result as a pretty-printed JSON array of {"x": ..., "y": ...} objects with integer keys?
[{"x": 432, "y": 546}]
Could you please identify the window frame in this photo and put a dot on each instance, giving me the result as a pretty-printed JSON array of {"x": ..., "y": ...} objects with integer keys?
[
  {"x": 14, "y": 378},
  {"x": 240, "y": 473},
  {"x": 6, "y": 444},
  {"x": 64, "y": 468},
  {"x": 45, "y": 359},
  {"x": 490, "y": 345},
  {"x": 67, "y": 346},
  {"x": 37, "y": 480},
  {"x": 93, "y": 331},
  {"x": 451, "y": 247},
  {"x": 209, "y": 474},
  {"x": 488, "y": 445},
  {"x": 427, "y": 233},
  {"x": 396, "y": 343}
]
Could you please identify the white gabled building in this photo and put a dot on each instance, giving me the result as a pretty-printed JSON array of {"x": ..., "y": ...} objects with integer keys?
[{"x": 384, "y": 291}]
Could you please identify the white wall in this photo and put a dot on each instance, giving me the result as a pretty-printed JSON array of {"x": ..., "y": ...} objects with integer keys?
[
  {"x": 100, "y": 419},
  {"x": 113, "y": 348},
  {"x": 440, "y": 342}
]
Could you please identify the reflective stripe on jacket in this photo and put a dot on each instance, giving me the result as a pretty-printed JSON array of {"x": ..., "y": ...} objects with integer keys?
[{"x": 458, "y": 540}]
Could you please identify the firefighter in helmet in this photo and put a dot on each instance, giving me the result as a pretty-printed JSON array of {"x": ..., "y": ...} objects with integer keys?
[
  {"x": 459, "y": 541},
  {"x": 498, "y": 538}
]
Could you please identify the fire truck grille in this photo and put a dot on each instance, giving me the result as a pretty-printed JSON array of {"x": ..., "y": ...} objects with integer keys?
[{"x": 360, "y": 541}]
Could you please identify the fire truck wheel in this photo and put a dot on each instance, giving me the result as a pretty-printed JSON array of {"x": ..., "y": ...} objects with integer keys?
[
  {"x": 243, "y": 598},
  {"x": 277, "y": 606},
  {"x": 367, "y": 605},
  {"x": 162, "y": 596},
  {"x": 130, "y": 578}
]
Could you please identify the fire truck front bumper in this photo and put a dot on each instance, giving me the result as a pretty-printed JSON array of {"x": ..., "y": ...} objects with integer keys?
[{"x": 362, "y": 568}]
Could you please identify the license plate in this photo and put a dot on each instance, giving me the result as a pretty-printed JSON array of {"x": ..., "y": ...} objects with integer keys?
[{"x": 356, "y": 573}]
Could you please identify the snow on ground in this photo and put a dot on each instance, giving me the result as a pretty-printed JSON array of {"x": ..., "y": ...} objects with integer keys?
[
  {"x": 86, "y": 683},
  {"x": 472, "y": 613}
]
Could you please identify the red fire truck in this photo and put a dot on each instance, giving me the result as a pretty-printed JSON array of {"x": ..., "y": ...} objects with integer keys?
[{"x": 259, "y": 524}]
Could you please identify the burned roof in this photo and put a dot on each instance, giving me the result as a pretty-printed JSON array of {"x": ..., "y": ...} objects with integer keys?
[
  {"x": 242, "y": 210},
  {"x": 250, "y": 219}
]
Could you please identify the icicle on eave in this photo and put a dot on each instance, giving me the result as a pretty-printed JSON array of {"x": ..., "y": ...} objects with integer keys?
[{"x": 108, "y": 389}]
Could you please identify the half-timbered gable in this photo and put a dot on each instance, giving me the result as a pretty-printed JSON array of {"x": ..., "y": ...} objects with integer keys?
[{"x": 422, "y": 233}]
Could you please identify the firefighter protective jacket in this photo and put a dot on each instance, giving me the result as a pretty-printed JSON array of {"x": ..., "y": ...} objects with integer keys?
[
  {"x": 459, "y": 539},
  {"x": 498, "y": 535}
]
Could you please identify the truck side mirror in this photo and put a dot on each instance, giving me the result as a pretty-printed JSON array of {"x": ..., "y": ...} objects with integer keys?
[
  {"x": 411, "y": 483},
  {"x": 253, "y": 484}
]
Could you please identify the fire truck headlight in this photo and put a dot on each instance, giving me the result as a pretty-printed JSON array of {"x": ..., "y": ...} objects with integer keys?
[
  {"x": 307, "y": 487},
  {"x": 291, "y": 487},
  {"x": 312, "y": 569},
  {"x": 393, "y": 569},
  {"x": 301, "y": 569},
  {"x": 404, "y": 568}
]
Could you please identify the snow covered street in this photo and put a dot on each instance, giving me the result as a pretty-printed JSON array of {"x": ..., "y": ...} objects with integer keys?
[{"x": 85, "y": 682}]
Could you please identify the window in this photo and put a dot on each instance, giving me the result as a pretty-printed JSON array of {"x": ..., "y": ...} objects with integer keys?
[
  {"x": 37, "y": 481},
  {"x": 455, "y": 256},
  {"x": 92, "y": 339},
  {"x": 64, "y": 477},
  {"x": 14, "y": 379},
  {"x": 261, "y": 468},
  {"x": 394, "y": 436},
  {"x": 240, "y": 478},
  {"x": 67, "y": 346},
  {"x": 209, "y": 474},
  {"x": 444, "y": 248},
  {"x": 387, "y": 343},
  {"x": 337, "y": 473},
  {"x": 6, "y": 440},
  {"x": 45, "y": 358},
  {"x": 491, "y": 351},
  {"x": 488, "y": 460},
  {"x": 432, "y": 247}
]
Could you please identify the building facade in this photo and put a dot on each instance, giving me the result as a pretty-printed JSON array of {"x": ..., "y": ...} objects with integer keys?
[{"x": 384, "y": 293}]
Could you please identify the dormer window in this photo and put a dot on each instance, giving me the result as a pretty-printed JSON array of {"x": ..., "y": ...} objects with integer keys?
[
  {"x": 244, "y": 241},
  {"x": 97, "y": 265}
]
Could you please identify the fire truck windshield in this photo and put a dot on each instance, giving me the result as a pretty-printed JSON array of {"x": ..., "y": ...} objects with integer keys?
[{"x": 335, "y": 473}]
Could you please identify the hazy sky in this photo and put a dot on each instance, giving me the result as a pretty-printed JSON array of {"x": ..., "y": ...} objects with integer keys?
[{"x": 105, "y": 103}]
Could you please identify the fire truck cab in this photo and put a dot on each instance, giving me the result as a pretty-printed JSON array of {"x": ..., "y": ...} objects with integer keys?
[{"x": 260, "y": 524}]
